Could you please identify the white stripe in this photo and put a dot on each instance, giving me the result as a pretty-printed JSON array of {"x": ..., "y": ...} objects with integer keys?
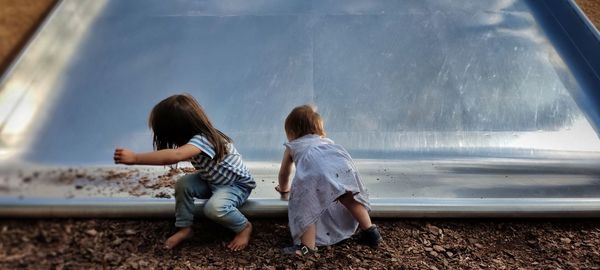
[
  {"x": 232, "y": 169},
  {"x": 204, "y": 145}
]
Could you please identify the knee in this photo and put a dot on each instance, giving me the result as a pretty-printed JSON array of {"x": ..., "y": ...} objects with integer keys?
[
  {"x": 347, "y": 198},
  {"x": 183, "y": 185},
  {"x": 214, "y": 210}
]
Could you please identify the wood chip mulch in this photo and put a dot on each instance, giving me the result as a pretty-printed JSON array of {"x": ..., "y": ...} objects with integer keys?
[
  {"x": 591, "y": 9},
  {"x": 409, "y": 244}
]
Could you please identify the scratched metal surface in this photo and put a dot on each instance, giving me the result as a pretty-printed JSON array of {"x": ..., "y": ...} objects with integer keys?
[{"x": 469, "y": 99}]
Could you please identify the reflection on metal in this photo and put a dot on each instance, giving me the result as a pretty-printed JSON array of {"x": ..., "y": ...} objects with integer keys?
[
  {"x": 399, "y": 83},
  {"x": 381, "y": 208},
  {"x": 31, "y": 84}
]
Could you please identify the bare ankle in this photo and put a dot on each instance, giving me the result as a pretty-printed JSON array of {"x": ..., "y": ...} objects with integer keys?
[
  {"x": 185, "y": 230},
  {"x": 311, "y": 246},
  {"x": 365, "y": 226}
]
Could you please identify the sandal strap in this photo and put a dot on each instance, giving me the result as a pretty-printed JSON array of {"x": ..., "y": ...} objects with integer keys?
[
  {"x": 302, "y": 249},
  {"x": 306, "y": 250}
]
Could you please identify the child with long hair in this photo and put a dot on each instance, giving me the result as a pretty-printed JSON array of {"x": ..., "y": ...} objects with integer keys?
[
  {"x": 183, "y": 132},
  {"x": 328, "y": 200}
]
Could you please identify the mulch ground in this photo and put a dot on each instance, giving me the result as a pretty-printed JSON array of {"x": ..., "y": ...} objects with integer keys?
[
  {"x": 409, "y": 244},
  {"x": 592, "y": 10},
  {"x": 18, "y": 20}
]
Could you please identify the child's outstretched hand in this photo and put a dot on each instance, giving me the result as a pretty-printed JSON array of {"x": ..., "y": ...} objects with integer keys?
[{"x": 124, "y": 156}]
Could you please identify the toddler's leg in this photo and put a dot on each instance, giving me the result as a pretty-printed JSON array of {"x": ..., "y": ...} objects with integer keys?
[
  {"x": 370, "y": 233},
  {"x": 358, "y": 211},
  {"x": 309, "y": 237},
  {"x": 222, "y": 207},
  {"x": 307, "y": 243},
  {"x": 187, "y": 188}
]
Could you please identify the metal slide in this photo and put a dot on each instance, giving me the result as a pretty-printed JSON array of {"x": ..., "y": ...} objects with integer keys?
[{"x": 450, "y": 108}]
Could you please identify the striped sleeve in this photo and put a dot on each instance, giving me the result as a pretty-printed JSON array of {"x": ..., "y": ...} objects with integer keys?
[{"x": 204, "y": 145}]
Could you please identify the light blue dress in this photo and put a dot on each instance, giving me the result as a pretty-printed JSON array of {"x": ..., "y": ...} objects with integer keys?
[{"x": 324, "y": 172}]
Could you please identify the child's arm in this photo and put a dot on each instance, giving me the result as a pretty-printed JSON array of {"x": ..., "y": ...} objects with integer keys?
[
  {"x": 284, "y": 172},
  {"x": 161, "y": 157}
]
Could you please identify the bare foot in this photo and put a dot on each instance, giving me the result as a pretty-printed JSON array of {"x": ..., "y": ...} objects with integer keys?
[
  {"x": 178, "y": 237},
  {"x": 240, "y": 241}
]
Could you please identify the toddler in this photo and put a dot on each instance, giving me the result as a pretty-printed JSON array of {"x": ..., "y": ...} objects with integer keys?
[{"x": 327, "y": 198}]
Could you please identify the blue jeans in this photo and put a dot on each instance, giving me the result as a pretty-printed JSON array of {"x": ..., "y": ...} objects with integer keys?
[{"x": 222, "y": 204}]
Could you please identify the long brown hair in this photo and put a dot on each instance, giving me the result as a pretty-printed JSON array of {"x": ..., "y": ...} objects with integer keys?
[
  {"x": 303, "y": 120},
  {"x": 178, "y": 118}
]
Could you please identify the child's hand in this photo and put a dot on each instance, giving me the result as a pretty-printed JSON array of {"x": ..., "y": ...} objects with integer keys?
[
  {"x": 124, "y": 156},
  {"x": 282, "y": 190}
]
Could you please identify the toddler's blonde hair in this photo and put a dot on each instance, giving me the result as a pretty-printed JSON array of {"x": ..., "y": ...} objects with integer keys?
[{"x": 303, "y": 120}]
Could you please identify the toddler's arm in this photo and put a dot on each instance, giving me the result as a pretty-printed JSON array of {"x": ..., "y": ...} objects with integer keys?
[
  {"x": 284, "y": 172},
  {"x": 161, "y": 157}
]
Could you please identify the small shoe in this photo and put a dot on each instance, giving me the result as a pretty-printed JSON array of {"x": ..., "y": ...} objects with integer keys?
[
  {"x": 370, "y": 237},
  {"x": 299, "y": 250}
]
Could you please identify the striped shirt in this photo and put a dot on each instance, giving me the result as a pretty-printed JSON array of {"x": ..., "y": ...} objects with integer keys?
[{"x": 230, "y": 170}]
